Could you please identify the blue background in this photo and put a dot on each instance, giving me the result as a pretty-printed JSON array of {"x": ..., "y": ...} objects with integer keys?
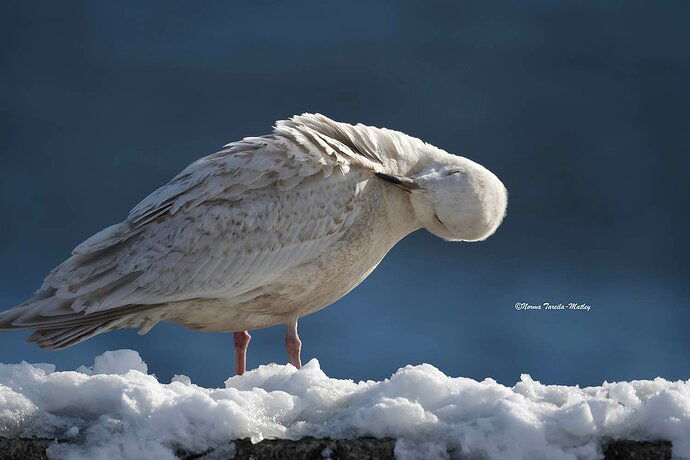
[{"x": 581, "y": 108}]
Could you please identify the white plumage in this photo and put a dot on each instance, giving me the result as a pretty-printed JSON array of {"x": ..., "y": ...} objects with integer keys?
[{"x": 267, "y": 230}]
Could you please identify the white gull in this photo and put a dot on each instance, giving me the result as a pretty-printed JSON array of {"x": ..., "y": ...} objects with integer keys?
[{"x": 265, "y": 231}]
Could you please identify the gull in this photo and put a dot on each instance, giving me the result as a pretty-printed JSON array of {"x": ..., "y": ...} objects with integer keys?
[{"x": 263, "y": 232}]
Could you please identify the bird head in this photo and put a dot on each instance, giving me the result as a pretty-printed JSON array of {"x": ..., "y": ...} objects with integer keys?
[{"x": 455, "y": 199}]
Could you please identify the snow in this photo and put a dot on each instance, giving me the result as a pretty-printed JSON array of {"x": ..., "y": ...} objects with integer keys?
[{"x": 114, "y": 409}]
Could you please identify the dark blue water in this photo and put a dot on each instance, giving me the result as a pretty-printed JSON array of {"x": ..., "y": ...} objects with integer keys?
[{"x": 581, "y": 108}]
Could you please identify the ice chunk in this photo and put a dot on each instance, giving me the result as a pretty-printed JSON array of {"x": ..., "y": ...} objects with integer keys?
[{"x": 116, "y": 362}]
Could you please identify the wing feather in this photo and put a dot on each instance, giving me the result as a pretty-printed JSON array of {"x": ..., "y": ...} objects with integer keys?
[{"x": 226, "y": 225}]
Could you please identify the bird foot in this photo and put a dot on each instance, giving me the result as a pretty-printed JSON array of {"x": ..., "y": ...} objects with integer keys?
[
  {"x": 293, "y": 344},
  {"x": 294, "y": 347},
  {"x": 241, "y": 343}
]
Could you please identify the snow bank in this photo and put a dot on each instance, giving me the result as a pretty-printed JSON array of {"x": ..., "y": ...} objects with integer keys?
[{"x": 115, "y": 409}]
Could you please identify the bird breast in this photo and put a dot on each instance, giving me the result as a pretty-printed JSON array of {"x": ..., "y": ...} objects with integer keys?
[{"x": 336, "y": 269}]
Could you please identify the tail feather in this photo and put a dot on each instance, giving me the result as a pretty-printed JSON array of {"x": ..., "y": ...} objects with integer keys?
[
  {"x": 61, "y": 338},
  {"x": 14, "y": 318},
  {"x": 89, "y": 293},
  {"x": 65, "y": 337},
  {"x": 7, "y": 318},
  {"x": 67, "y": 330}
]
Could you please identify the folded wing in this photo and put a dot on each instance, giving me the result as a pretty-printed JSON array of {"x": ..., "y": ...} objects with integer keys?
[{"x": 228, "y": 223}]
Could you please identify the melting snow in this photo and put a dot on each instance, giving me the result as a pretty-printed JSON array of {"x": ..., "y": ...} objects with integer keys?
[{"x": 115, "y": 409}]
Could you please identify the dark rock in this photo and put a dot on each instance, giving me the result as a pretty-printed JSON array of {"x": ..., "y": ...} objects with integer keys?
[
  {"x": 317, "y": 449},
  {"x": 23, "y": 448},
  {"x": 303, "y": 449},
  {"x": 621, "y": 449}
]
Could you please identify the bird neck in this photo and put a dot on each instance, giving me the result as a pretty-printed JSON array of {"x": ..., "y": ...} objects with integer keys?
[{"x": 400, "y": 215}]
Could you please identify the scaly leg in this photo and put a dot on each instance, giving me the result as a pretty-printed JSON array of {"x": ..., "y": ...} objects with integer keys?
[
  {"x": 241, "y": 343},
  {"x": 293, "y": 344}
]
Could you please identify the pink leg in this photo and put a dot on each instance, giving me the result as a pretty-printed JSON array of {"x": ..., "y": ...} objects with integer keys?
[
  {"x": 293, "y": 345},
  {"x": 241, "y": 343}
]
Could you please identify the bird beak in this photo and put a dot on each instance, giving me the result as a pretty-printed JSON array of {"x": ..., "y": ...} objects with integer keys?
[{"x": 403, "y": 183}]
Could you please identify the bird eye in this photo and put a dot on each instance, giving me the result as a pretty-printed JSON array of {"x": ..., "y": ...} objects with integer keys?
[
  {"x": 439, "y": 220},
  {"x": 453, "y": 172}
]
